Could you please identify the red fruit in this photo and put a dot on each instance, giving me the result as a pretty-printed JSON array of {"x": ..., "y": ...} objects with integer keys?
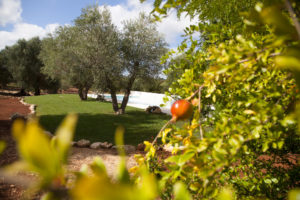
[{"x": 181, "y": 110}]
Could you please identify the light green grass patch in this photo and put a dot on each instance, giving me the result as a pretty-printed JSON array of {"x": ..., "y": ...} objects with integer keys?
[{"x": 97, "y": 121}]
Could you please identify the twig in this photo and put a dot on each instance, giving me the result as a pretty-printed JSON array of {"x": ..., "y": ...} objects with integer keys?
[
  {"x": 248, "y": 59},
  {"x": 161, "y": 130},
  {"x": 293, "y": 16},
  {"x": 194, "y": 94},
  {"x": 199, "y": 109}
]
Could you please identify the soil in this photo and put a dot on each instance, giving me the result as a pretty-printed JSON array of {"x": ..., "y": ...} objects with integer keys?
[
  {"x": 9, "y": 190},
  {"x": 9, "y": 106}
]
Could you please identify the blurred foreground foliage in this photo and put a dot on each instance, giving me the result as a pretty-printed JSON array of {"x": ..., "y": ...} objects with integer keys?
[{"x": 47, "y": 158}]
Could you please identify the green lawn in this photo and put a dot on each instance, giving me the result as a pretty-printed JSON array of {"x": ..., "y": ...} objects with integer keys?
[{"x": 97, "y": 122}]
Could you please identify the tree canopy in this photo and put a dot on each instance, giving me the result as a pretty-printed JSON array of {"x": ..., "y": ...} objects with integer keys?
[
  {"x": 22, "y": 60},
  {"x": 94, "y": 52}
]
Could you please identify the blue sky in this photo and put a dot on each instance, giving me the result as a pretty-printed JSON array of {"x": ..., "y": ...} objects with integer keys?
[
  {"x": 41, "y": 12},
  {"x": 30, "y": 18}
]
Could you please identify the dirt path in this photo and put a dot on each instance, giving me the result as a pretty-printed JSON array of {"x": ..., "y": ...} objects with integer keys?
[
  {"x": 9, "y": 106},
  {"x": 79, "y": 156}
]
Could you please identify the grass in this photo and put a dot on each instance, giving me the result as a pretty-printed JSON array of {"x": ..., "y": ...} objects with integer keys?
[{"x": 96, "y": 122}]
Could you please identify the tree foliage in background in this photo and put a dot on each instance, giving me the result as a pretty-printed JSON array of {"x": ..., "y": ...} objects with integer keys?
[
  {"x": 5, "y": 76},
  {"x": 94, "y": 51},
  {"x": 23, "y": 63},
  {"x": 151, "y": 84},
  {"x": 241, "y": 74},
  {"x": 65, "y": 58},
  {"x": 142, "y": 47}
]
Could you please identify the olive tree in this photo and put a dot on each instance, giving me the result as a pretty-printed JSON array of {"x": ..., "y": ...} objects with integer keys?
[
  {"x": 24, "y": 65},
  {"x": 64, "y": 59},
  {"x": 142, "y": 47},
  {"x": 101, "y": 44},
  {"x": 94, "y": 51},
  {"x": 120, "y": 57},
  {"x": 5, "y": 76}
]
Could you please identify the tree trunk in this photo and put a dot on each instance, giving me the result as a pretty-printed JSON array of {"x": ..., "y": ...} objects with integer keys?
[
  {"x": 114, "y": 101},
  {"x": 113, "y": 95},
  {"x": 125, "y": 101},
  {"x": 37, "y": 91},
  {"x": 85, "y": 93},
  {"x": 80, "y": 93},
  {"x": 22, "y": 92},
  {"x": 127, "y": 93}
]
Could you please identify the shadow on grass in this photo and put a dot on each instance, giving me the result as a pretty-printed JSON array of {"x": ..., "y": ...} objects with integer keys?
[{"x": 139, "y": 126}]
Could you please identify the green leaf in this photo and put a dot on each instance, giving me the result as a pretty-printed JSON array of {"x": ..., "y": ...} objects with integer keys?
[
  {"x": 119, "y": 140},
  {"x": 274, "y": 180},
  {"x": 288, "y": 62},
  {"x": 64, "y": 136},
  {"x": 267, "y": 181},
  {"x": 123, "y": 174},
  {"x": 226, "y": 194},
  {"x": 249, "y": 112},
  {"x": 294, "y": 194},
  {"x": 174, "y": 159},
  {"x": 98, "y": 166},
  {"x": 185, "y": 157},
  {"x": 2, "y": 146},
  {"x": 148, "y": 185},
  {"x": 180, "y": 192},
  {"x": 265, "y": 146}
]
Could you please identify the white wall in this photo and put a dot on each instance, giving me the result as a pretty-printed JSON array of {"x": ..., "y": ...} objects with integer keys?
[{"x": 144, "y": 99}]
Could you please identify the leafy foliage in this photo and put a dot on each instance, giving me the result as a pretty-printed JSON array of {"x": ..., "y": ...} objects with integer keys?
[
  {"x": 95, "y": 52},
  {"x": 63, "y": 60},
  {"x": 5, "y": 76},
  {"x": 244, "y": 100},
  {"x": 24, "y": 65}
]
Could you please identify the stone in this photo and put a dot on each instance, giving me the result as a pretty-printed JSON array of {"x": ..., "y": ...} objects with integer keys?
[
  {"x": 32, "y": 108},
  {"x": 73, "y": 143},
  {"x": 106, "y": 145},
  {"x": 96, "y": 145},
  {"x": 103, "y": 145},
  {"x": 109, "y": 145},
  {"x": 141, "y": 147},
  {"x": 83, "y": 143},
  {"x": 127, "y": 148},
  {"x": 153, "y": 109},
  {"x": 100, "y": 97},
  {"x": 157, "y": 110}
]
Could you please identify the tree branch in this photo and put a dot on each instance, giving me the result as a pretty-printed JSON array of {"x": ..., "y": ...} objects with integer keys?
[
  {"x": 248, "y": 59},
  {"x": 195, "y": 93},
  {"x": 161, "y": 130},
  {"x": 199, "y": 109},
  {"x": 293, "y": 16}
]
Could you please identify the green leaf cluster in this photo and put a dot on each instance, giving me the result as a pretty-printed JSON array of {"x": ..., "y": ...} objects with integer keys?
[{"x": 245, "y": 64}]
